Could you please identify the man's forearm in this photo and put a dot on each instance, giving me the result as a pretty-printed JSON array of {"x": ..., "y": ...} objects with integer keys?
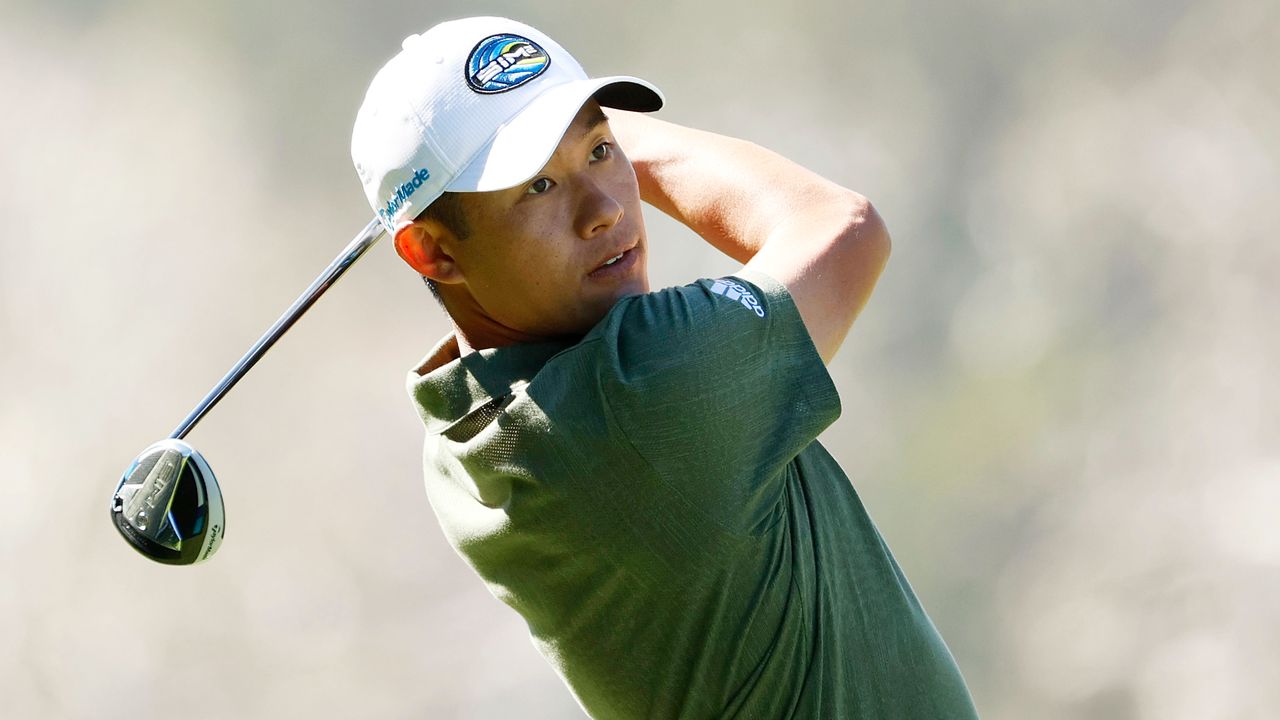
[
  {"x": 731, "y": 192},
  {"x": 826, "y": 244}
]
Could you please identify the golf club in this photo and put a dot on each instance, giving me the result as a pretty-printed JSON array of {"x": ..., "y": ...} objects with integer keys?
[{"x": 168, "y": 505}]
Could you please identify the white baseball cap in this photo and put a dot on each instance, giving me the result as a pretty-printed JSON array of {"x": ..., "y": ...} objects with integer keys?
[{"x": 472, "y": 105}]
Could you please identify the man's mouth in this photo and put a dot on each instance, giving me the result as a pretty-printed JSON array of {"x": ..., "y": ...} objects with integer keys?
[{"x": 618, "y": 264}]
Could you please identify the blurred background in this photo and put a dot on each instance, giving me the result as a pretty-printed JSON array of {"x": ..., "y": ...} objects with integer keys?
[{"x": 1059, "y": 407}]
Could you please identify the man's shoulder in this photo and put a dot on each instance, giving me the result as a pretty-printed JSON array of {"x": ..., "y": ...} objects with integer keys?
[{"x": 689, "y": 323}]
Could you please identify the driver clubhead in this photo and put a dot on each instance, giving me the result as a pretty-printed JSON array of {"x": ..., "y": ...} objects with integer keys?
[{"x": 168, "y": 505}]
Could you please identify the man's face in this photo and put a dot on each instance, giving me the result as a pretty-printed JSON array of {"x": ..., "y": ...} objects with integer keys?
[{"x": 536, "y": 259}]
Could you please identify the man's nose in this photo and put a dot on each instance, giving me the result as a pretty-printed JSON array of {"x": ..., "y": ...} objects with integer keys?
[{"x": 598, "y": 209}]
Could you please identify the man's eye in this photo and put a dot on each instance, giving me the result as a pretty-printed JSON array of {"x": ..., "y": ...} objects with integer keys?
[
  {"x": 539, "y": 186},
  {"x": 602, "y": 151}
]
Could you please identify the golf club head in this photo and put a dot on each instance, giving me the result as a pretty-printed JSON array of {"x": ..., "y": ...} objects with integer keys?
[{"x": 168, "y": 505}]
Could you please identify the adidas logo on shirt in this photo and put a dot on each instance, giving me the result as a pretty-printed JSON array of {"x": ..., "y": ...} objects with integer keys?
[{"x": 736, "y": 291}]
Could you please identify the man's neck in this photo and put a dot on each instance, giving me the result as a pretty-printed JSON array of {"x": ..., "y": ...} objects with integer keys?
[
  {"x": 476, "y": 330},
  {"x": 464, "y": 345},
  {"x": 482, "y": 333}
]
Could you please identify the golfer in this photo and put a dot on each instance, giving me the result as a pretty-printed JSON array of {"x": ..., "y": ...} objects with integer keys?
[{"x": 635, "y": 472}]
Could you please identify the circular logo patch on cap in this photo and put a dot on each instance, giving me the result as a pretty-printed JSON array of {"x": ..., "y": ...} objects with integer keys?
[{"x": 503, "y": 62}]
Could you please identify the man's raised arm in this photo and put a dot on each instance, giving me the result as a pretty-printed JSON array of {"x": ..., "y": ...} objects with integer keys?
[{"x": 825, "y": 243}]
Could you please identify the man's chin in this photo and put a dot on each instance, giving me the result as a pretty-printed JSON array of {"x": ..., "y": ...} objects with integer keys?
[
  {"x": 604, "y": 306},
  {"x": 639, "y": 286}
]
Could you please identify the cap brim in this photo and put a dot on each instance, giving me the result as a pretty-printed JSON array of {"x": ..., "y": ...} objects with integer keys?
[{"x": 524, "y": 144}]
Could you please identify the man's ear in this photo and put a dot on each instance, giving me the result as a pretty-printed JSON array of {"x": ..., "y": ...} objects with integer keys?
[{"x": 419, "y": 243}]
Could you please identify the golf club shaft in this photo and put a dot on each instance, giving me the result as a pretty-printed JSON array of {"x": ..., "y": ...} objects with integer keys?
[{"x": 352, "y": 252}]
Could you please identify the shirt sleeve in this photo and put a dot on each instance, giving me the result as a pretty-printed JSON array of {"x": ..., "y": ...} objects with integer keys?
[{"x": 717, "y": 386}]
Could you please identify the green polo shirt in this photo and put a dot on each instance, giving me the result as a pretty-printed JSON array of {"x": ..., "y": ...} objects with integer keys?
[{"x": 653, "y": 502}]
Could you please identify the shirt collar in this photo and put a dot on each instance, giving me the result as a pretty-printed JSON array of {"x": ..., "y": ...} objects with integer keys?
[{"x": 446, "y": 387}]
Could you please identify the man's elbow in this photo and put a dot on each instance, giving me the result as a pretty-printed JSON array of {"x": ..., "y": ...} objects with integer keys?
[{"x": 865, "y": 240}]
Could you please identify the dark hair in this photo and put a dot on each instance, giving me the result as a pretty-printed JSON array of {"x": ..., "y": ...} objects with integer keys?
[{"x": 448, "y": 211}]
